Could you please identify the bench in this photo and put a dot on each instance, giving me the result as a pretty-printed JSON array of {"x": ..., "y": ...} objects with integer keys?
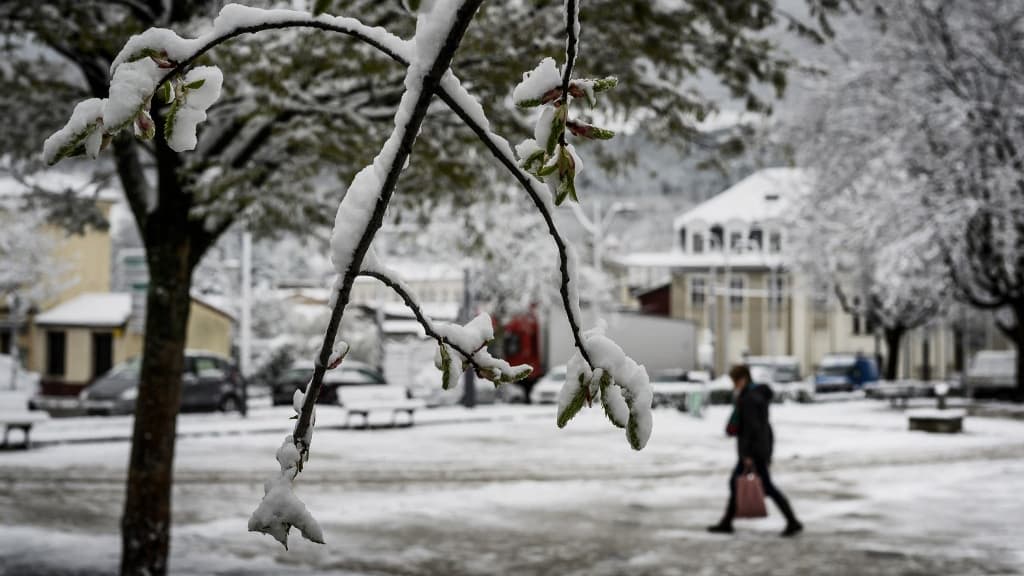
[
  {"x": 937, "y": 421},
  {"x": 362, "y": 400},
  {"x": 22, "y": 422},
  {"x": 899, "y": 392},
  {"x": 683, "y": 396}
]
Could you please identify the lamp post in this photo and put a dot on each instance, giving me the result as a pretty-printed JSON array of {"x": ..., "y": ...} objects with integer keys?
[{"x": 13, "y": 304}]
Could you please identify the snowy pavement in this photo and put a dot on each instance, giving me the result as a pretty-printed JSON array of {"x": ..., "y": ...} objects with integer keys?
[{"x": 509, "y": 493}]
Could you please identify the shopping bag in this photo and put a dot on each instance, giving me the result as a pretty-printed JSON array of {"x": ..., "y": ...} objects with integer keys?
[{"x": 750, "y": 496}]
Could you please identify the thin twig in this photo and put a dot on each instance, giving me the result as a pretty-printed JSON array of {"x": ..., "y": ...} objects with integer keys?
[
  {"x": 571, "y": 44},
  {"x": 428, "y": 325}
]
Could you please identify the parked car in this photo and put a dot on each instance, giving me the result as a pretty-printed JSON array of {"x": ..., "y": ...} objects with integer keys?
[
  {"x": 210, "y": 382},
  {"x": 671, "y": 387},
  {"x": 992, "y": 373},
  {"x": 845, "y": 373},
  {"x": 349, "y": 373},
  {"x": 782, "y": 374},
  {"x": 546, "y": 390}
]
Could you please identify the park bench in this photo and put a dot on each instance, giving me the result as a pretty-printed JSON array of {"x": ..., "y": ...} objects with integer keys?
[
  {"x": 937, "y": 421},
  {"x": 684, "y": 396},
  {"x": 899, "y": 392},
  {"x": 22, "y": 422},
  {"x": 363, "y": 400}
]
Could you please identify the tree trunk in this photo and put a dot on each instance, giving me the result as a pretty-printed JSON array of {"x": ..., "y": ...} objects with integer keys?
[
  {"x": 171, "y": 255},
  {"x": 893, "y": 336},
  {"x": 145, "y": 527},
  {"x": 1018, "y": 341}
]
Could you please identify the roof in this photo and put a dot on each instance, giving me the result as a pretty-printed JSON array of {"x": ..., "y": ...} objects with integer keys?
[
  {"x": 763, "y": 196},
  {"x": 218, "y": 303},
  {"x": 412, "y": 271},
  {"x": 93, "y": 309},
  {"x": 104, "y": 310},
  {"x": 705, "y": 260}
]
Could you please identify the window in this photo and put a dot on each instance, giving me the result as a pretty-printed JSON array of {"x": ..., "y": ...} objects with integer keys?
[
  {"x": 697, "y": 288},
  {"x": 820, "y": 304},
  {"x": 736, "y": 294},
  {"x": 756, "y": 239},
  {"x": 736, "y": 242},
  {"x": 717, "y": 238},
  {"x": 736, "y": 303},
  {"x": 777, "y": 287},
  {"x": 56, "y": 345},
  {"x": 775, "y": 242},
  {"x": 207, "y": 368},
  {"x": 856, "y": 316},
  {"x": 698, "y": 244},
  {"x": 682, "y": 239}
]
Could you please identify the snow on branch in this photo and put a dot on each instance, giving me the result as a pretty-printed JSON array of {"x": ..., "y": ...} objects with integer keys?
[
  {"x": 154, "y": 64},
  {"x": 465, "y": 343}
]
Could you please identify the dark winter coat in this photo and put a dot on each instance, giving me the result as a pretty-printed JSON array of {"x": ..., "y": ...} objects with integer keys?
[{"x": 754, "y": 438}]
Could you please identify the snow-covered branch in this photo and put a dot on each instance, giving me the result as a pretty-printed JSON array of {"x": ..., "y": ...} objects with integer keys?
[{"x": 451, "y": 338}]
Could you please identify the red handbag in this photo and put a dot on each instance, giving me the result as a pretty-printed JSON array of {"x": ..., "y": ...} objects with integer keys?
[{"x": 750, "y": 496}]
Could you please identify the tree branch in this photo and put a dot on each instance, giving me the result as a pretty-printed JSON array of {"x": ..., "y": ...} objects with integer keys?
[
  {"x": 455, "y": 97},
  {"x": 404, "y": 136},
  {"x": 428, "y": 325}
]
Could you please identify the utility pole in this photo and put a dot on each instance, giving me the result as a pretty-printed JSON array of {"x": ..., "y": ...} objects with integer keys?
[
  {"x": 245, "y": 327},
  {"x": 13, "y": 304},
  {"x": 469, "y": 378},
  {"x": 245, "y": 341}
]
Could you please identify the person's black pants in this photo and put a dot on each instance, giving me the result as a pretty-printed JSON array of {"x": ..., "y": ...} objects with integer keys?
[{"x": 761, "y": 468}]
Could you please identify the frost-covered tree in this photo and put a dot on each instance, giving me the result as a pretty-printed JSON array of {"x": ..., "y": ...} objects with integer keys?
[
  {"x": 871, "y": 241},
  {"x": 28, "y": 268},
  {"x": 935, "y": 97}
]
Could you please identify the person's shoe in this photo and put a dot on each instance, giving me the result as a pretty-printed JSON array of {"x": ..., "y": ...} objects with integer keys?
[
  {"x": 720, "y": 528},
  {"x": 792, "y": 529}
]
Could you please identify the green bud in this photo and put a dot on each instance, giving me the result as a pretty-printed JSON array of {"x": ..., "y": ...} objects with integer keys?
[
  {"x": 574, "y": 406},
  {"x": 321, "y": 6}
]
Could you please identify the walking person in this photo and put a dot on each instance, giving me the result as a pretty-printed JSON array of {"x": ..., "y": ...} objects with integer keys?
[{"x": 754, "y": 443}]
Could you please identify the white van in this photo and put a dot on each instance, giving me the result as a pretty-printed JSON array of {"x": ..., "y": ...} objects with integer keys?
[{"x": 992, "y": 373}]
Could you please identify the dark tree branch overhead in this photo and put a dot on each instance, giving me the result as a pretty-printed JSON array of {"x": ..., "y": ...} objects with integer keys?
[
  {"x": 431, "y": 80},
  {"x": 497, "y": 146}
]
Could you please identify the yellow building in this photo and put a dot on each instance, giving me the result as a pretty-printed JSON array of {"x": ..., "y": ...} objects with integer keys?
[
  {"x": 83, "y": 328},
  {"x": 82, "y": 338}
]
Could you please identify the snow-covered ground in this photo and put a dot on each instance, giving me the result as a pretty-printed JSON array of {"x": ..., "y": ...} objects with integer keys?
[{"x": 508, "y": 493}]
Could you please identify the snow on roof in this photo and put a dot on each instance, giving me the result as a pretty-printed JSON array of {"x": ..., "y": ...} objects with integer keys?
[
  {"x": 94, "y": 309},
  {"x": 218, "y": 303},
  {"x": 679, "y": 259},
  {"x": 760, "y": 197}
]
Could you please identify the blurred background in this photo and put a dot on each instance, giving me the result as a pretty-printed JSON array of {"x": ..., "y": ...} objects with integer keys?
[{"x": 829, "y": 192}]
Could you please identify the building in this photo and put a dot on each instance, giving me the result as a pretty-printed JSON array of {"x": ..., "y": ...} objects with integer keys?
[
  {"x": 83, "y": 327},
  {"x": 83, "y": 337},
  {"x": 727, "y": 271}
]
